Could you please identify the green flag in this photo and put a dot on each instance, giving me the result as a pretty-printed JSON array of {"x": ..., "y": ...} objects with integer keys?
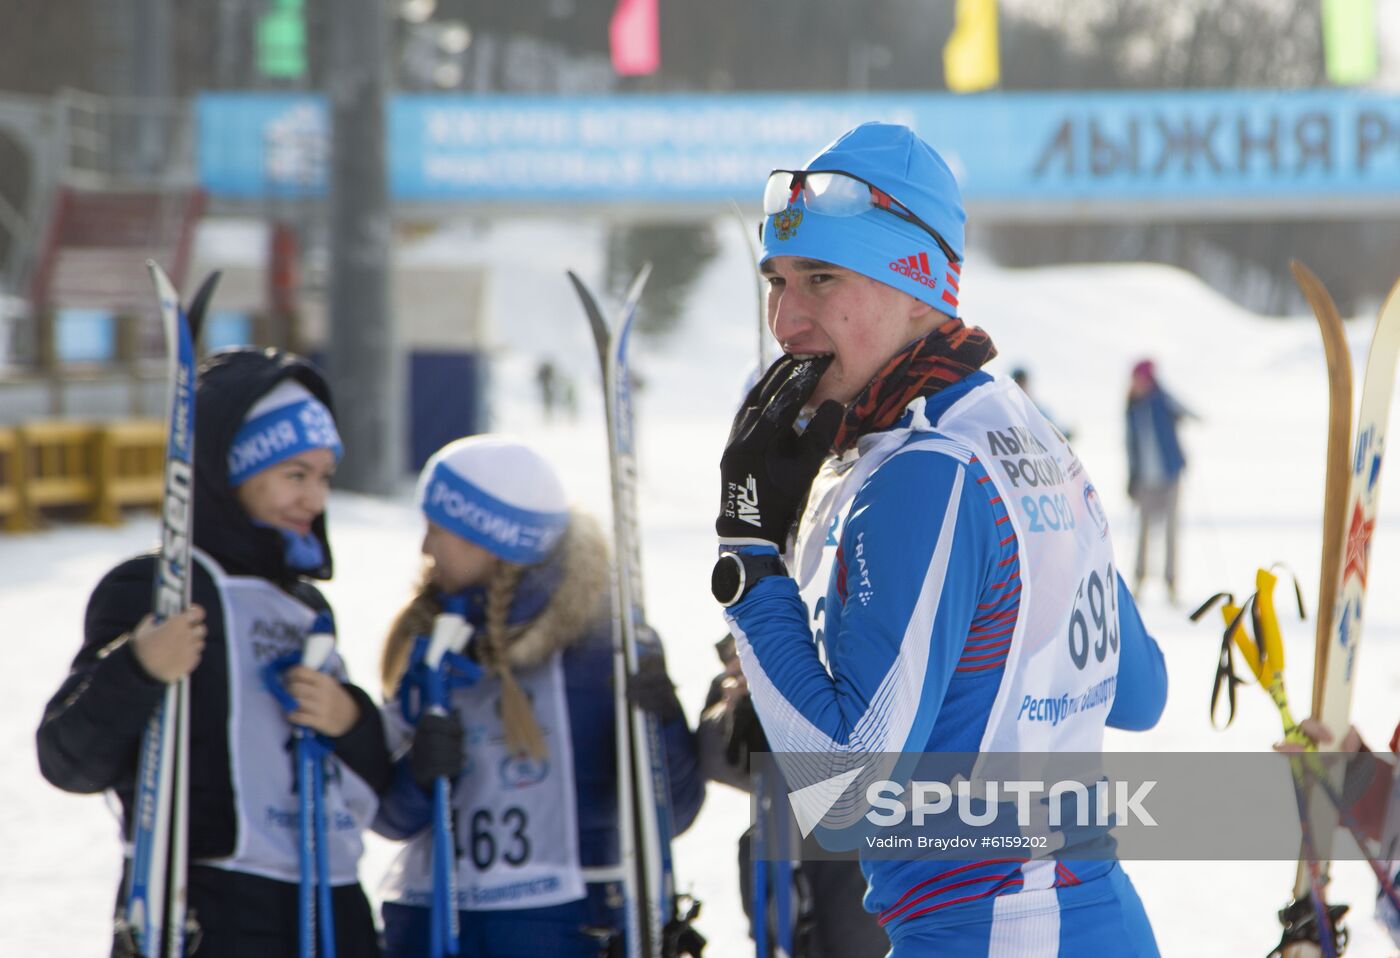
[
  {"x": 281, "y": 36},
  {"x": 1349, "y": 40}
]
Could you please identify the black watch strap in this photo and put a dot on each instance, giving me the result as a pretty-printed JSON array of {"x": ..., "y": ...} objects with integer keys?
[{"x": 735, "y": 573}]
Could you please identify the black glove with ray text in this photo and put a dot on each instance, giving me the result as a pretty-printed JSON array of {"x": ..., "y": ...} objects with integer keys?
[{"x": 768, "y": 466}]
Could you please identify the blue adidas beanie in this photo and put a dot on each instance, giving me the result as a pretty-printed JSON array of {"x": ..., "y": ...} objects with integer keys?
[
  {"x": 497, "y": 493},
  {"x": 876, "y": 243},
  {"x": 285, "y": 422}
]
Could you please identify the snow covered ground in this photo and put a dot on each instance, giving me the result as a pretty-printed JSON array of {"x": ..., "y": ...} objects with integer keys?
[{"x": 1252, "y": 497}]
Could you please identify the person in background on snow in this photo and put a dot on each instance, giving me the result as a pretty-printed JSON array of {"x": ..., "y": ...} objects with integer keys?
[
  {"x": 829, "y": 920},
  {"x": 1155, "y": 465},
  {"x": 260, "y": 540},
  {"x": 539, "y": 775},
  {"x": 930, "y": 591}
]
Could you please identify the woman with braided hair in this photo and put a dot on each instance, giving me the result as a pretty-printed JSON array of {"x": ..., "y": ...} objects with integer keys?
[{"x": 530, "y": 746}]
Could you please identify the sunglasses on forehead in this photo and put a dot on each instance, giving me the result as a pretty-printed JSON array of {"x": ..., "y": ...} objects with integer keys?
[{"x": 838, "y": 193}]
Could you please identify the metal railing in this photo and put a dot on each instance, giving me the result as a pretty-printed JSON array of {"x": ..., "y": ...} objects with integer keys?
[{"x": 112, "y": 142}]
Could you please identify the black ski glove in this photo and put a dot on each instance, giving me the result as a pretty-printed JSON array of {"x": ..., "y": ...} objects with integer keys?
[
  {"x": 437, "y": 750},
  {"x": 744, "y": 734},
  {"x": 767, "y": 467},
  {"x": 651, "y": 690}
]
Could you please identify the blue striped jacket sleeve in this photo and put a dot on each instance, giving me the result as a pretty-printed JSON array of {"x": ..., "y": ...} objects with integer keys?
[
  {"x": 1142, "y": 673},
  {"x": 916, "y": 555}
]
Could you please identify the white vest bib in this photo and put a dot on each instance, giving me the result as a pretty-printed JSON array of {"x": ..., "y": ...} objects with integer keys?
[
  {"x": 515, "y": 819},
  {"x": 261, "y": 622},
  {"x": 1060, "y": 672}
]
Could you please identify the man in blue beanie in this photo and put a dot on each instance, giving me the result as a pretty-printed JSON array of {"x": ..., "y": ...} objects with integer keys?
[{"x": 943, "y": 538}]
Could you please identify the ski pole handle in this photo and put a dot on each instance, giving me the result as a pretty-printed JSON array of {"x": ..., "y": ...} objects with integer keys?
[
  {"x": 451, "y": 631},
  {"x": 450, "y": 634},
  {"x": 319, "y": 642},
  {"x": 317, "y": 650}
]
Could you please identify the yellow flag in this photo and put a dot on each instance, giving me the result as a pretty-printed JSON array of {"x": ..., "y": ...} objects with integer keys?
[
  {"x": 971, "y": 61},
  {"x": 1349, "y": 40}
]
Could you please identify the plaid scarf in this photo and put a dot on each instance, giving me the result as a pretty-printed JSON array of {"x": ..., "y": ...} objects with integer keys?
[{"x": 950, "y": 353}]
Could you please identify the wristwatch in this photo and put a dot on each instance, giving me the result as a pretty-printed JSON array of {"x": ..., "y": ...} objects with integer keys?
[{"x": 735, "y": 573}]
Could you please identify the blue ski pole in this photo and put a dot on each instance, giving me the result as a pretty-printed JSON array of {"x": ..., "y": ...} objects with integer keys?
[
  {"x": 323, "y": 852},
  {"x": 311, "y": 751},
  {"x": 445, "y": 930},
  {"x": 758, "y": 855},
  {"x": 439, "y": 667},
  {"x": 782, "y": 867}
]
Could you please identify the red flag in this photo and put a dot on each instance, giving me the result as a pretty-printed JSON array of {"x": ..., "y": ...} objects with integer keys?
[{"x": 633, "y": 34}]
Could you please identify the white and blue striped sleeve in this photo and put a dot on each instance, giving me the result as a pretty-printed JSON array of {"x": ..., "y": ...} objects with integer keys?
[{"x": 914, "y": 558}]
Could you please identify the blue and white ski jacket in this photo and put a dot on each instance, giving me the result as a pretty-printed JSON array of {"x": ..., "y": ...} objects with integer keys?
[{"x": 939, "y": 572}]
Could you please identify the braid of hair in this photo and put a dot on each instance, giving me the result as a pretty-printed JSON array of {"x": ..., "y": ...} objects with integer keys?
[
  {"x": 523, "y": 735},
  {"x": 414, "y": 619}
]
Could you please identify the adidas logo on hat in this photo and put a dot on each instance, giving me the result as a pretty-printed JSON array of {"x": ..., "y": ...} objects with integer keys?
[{"x": 916, "y": 268}]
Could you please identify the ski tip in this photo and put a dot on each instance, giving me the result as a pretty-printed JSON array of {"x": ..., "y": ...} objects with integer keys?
[
  {"x": 164, "y": 288},
  {"x": 211, "y": 283},
  {"x": 200, "y": 304},
  {"x": 580, "y": 287}
]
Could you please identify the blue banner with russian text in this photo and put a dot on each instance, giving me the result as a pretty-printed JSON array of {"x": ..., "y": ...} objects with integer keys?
[{"x": 1069, "y": 147}]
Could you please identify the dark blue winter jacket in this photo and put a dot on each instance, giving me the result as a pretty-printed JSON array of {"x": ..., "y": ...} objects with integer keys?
[{"x": 1154, "y": 452}]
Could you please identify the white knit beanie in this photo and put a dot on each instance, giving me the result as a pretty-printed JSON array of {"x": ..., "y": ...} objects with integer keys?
[{"x": 498, "y": 493}]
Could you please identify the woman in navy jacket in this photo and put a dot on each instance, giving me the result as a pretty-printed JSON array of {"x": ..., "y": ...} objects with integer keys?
[{"x": 265, "y": 447}]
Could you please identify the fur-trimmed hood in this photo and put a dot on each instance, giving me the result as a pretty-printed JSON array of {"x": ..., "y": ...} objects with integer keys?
[{"x": 579, "y": 597}]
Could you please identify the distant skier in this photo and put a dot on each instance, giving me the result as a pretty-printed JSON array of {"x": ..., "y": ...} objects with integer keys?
[
  {"x": 548, "y": 380},
  {"x": 266, "y": 447},
  {"x": 948, "y": 540},
  {"x": 1155, "y": 466},
  {"x": 535, "y": 795}
]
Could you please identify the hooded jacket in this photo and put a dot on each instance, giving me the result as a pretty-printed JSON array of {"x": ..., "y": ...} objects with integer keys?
[{"x": 90, "y": 735}]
